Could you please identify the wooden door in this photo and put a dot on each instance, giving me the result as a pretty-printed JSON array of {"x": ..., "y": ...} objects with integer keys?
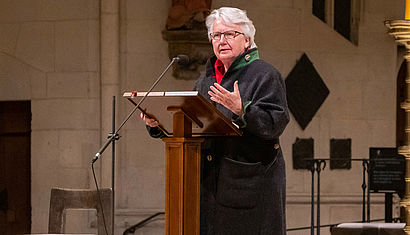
[{"x": 15, "y": 202}]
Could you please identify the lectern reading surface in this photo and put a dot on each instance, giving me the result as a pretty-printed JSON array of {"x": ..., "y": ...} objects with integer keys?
[{"x": 206, "y": 119}]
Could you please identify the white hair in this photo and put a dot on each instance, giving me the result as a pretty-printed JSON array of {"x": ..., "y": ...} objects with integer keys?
[{"x": 232, "y": 16}]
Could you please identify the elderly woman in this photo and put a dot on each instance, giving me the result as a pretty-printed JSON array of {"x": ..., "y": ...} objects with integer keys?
[{"x": 243, "y": 178}]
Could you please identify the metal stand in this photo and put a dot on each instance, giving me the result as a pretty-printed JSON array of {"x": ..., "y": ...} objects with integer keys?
[
  {"x": 318, "y": 170},
  {"x": 369, "y": 165},
  {"x": 113, "y": 136},
  {"x": 365, "y": 165},
  {"x": 316, "y": 165},
  {"x": 312, "y": 201},
  {"x": 388, "y": 207},
  {"x": 116, "y": 137}
]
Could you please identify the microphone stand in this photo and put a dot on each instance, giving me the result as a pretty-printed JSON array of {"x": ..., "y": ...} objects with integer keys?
[
  {"x": 116, "y": 137},
  {"x": 113, "y": 136}
]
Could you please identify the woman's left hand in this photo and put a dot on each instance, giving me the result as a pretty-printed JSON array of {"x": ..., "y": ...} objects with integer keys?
[{"x": 231, "y": 100}]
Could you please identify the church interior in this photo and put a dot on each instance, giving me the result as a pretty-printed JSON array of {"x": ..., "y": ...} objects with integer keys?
[{"x": 65, "y": 66}]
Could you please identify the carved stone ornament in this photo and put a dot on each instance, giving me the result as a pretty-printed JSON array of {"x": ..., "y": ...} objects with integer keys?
[{"x": 195, "y": 44}]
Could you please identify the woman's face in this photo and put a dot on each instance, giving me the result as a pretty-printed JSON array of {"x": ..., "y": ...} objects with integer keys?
[{"x": 228, "y": 49}]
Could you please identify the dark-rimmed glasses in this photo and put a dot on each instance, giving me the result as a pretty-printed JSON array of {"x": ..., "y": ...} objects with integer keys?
[{"x": 228, "y": 35}]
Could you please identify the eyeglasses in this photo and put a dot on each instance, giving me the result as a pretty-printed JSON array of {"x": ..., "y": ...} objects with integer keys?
[{"x": 228, "y": 35}]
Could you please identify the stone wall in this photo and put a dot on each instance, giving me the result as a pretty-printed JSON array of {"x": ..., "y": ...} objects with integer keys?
[{"x": 49, "y": 55}]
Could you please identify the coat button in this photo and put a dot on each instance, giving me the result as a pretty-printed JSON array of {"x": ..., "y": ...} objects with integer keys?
[
  {"x": 209, "y": 157},
  {"x": 276, "y": 146},
  {"x": 247, "y": 58}
]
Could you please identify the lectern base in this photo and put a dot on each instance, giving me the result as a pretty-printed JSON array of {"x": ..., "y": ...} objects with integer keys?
[{"x": 183, "y": 174}]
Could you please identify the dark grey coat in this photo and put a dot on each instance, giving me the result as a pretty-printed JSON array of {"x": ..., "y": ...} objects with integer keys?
[{"x": 243, "y": 185}]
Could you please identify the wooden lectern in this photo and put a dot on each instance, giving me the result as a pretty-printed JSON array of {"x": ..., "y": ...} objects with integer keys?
[{"x": 184, "y": 117}]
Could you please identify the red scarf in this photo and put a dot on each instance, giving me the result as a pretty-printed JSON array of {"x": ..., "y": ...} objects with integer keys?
[{"x": 219, "y": 70}]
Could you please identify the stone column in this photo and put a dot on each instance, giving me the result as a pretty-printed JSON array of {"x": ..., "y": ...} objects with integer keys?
[
  {"x": 110, "y": 73},
  {"x": 110, "y": 77},
  {"x": 400, "y": 29}
]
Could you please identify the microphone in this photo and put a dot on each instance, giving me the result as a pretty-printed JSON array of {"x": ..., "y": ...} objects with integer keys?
[
  {"x": 182, "y": 59},
  {"x": 179, "y": 59}
]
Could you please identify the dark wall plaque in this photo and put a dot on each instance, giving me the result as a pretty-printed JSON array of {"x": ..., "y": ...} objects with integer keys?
[
  {"x": 387, "y": 170},
  {"x": 302, "y": 151},
  {"x": 340, "y": 153}
]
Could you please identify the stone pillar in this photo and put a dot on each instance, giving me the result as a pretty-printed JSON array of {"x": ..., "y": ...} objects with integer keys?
[
  {"x": 400, "y": 29},
  {"x": 109, "y": 78},
  {"x": 110, "y": 73}
]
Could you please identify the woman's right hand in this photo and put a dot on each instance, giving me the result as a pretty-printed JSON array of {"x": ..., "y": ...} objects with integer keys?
[{"x": 149, "y": 121}]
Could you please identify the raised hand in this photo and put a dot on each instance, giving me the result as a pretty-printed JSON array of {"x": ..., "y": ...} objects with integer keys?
[{"x": 231, "y": 100}]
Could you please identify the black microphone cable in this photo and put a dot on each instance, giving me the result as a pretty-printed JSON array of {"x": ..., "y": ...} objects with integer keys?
[{"x": 99, "y": 200}]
